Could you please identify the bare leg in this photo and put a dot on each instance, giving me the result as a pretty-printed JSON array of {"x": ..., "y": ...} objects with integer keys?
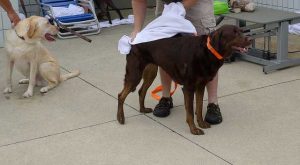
[
  {"x": 212, "y": 90},
  {"x": 166, "y": 83},
  {"x": 213, "y": 114}
]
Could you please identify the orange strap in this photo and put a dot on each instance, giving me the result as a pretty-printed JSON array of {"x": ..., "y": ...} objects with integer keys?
[
  {"x": 213, "y": 50},
  {"x": 159, "y": 89}
]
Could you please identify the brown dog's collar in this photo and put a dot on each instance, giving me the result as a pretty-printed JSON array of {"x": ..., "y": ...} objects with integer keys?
[
  {"x": 21, "y": 37},
  {"x": 213, "y": 50}
]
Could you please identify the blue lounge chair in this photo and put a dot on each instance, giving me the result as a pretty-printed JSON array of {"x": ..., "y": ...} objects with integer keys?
[{"x": 85, "y": 24}]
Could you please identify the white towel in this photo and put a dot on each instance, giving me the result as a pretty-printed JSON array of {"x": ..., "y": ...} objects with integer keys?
[
  {"x": 171, "y": 22},
  {"x": 67, "y": 11},
  {"x": 117, "y": 21}
]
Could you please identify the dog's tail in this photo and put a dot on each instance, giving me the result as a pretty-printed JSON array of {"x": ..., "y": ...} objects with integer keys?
[{"x": 69, "y": 75}]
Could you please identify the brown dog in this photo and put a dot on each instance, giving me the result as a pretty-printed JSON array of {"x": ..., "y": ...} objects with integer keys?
[{"x": 188, "y": 60}]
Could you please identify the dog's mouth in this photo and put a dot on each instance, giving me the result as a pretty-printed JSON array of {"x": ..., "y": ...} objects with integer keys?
[
  {"x": 243, "y": 45},
  {"x": 49, "y": 37},
  {"x": 240, "y": 49}
]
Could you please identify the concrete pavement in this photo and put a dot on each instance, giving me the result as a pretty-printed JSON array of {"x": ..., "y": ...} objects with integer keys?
[{"x": 75, "y": 124}]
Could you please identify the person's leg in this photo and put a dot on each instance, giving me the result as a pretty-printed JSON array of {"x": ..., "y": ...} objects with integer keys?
[
  {"x": 213, "y": 114},
  {"x": 212, "y": 90},
  {"x": 202, "y": 17},
  {"x": 162, "y": 109},
  {"x": 166, "y": 81}
]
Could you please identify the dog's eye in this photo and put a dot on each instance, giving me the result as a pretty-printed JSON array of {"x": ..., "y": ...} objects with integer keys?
[{"x": 51, "y": 22}]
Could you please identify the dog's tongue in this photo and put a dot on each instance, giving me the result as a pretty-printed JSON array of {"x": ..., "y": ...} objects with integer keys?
[{"x": 49, "y": 37}]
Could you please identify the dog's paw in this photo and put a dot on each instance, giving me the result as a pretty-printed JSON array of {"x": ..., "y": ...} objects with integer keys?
[
  {"x": 44, "y": 90},
  {"x": 197, "y": 131},
  {"x": 28, "y": 94},
  {"x": 203, "y": 124},
  {"x": 146, "y": 110},
  {"x": 120, "y": 117},
  {"x": 7, "y": 90},
  {"x": 24, "y": 81}
]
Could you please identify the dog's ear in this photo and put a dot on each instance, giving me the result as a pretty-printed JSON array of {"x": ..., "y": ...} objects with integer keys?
[{"x": 32, "y": 28}]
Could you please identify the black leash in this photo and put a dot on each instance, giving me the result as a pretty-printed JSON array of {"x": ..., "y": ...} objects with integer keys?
[{"x": 70, "y": 30}]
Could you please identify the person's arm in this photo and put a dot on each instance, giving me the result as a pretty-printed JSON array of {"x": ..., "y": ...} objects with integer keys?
[
  {"x": 139, "y": 11},
  {"x": 12, "y": 15}
]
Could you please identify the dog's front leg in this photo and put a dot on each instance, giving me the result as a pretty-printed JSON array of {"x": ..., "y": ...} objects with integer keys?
[
  {"x": 9, "y": 70},
  {"x": 188, "y": 102},
  {"x": 199, "y": 106},
  {"x": 32, "y": 79}
]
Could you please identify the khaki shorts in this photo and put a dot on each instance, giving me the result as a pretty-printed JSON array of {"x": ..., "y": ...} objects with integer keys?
[{"x": 201, "y": 15}]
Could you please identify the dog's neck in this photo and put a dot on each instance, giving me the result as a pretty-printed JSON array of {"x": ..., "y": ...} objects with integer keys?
[
  {"x": 212, "y": 49},
  {"x": 215, "y": 41}
]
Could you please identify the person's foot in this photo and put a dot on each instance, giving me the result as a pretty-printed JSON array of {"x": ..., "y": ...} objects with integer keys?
[
  {"x": 162, "y": 109},
  {"x": 213, "y": 114}
]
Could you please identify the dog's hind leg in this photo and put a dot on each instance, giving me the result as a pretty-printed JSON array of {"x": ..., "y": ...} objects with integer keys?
[
  {"x": 51, "y": 74},
  {"x": 133, "y": 76},
  {"x": 188, "y": 102},
  {"x": 199, "y": 106},
  {"x": 149, "y": 75},
  {"x": 51, "y": 85}
]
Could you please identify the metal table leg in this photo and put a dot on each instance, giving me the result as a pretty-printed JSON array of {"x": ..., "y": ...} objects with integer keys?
[{"x": 282, "y": 60}]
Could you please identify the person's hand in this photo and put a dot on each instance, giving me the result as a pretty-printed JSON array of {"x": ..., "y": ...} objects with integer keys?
[
  {"x": 14, "y": 18},
  {"x": 133, "y": 35}
]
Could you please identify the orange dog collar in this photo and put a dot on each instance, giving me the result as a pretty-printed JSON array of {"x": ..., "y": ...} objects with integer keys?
[{"x": 213, "y": 50}]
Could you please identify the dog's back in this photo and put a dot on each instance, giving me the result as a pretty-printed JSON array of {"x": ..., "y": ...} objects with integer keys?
[{"x": 184, "y": 58}]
